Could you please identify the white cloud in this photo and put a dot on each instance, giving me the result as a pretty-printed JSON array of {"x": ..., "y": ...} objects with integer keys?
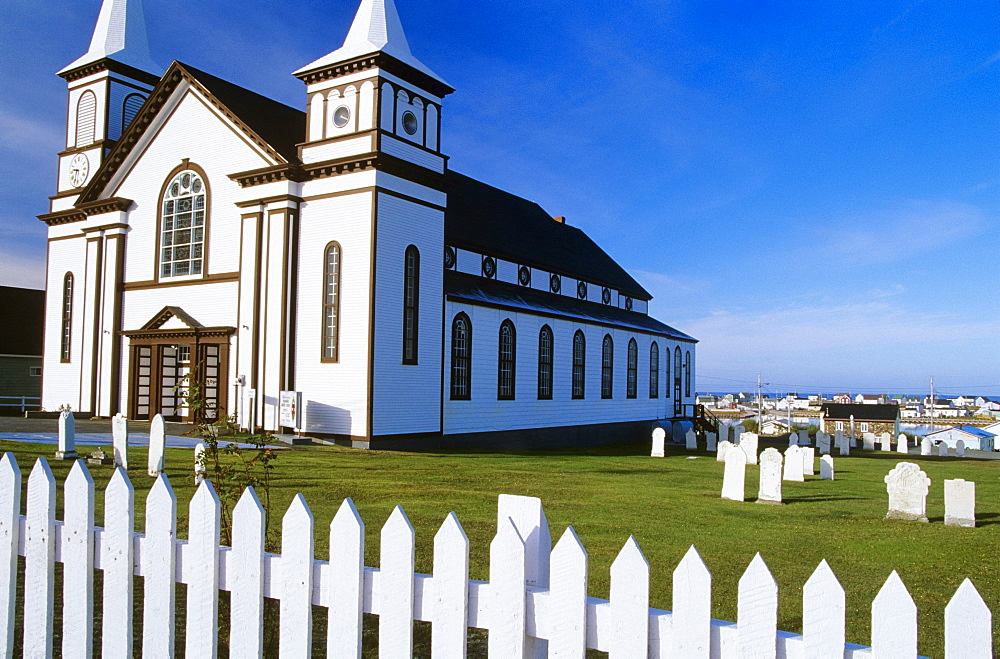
[
  {"x": 27, "y": 137},
  {"x": 21, "y": 269}
]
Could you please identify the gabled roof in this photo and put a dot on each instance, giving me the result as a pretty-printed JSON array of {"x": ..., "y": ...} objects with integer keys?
[
  {"x": 165, "y": 314},
  {"x": 968, "y": 430},
  {"x": 484, "y": 219},
  {"x": 860, "y": 411},
  {"x": 23, "y": 337}
]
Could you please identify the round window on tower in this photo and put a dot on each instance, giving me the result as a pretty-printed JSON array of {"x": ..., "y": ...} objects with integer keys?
[
  {"x": 524, "y": 275},
  {"x": 449, "y": 258},
  {"x": 409, "y": 122},
  {"x": 606, "y": 295},
  {"x": 489, "y": 267},
  {"x": 555, "y": 283},
  {"x": 581, "y": 290},
  {"x": 341, "y": 116}
]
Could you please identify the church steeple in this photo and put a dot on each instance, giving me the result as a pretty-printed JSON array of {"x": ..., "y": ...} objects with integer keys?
[{"x": 120, "y": 35}]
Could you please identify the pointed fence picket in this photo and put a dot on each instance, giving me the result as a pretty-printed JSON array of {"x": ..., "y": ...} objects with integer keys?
[{"x": 535, "y": 602}]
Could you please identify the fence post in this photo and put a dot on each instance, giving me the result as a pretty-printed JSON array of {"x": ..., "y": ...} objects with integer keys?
[
  {"x": 117, "y": 560},
  {"x": 529, "y": 519},
  {"x": 449, "y": 626},
  {"x": 507, "y": 596},
  {"x": 692, "y": 607},
  {"x": 824, "y": 610},
  {"x": 894, "y": 621},
  {"x": 395, "y": 622},
  {"x": 568, "y": 597},
  {"x": 629, "y": 603},
  {"x": 295, "y": 639},
  {"x": 345, "y": 596},
  {"x": 201, "y": 638},
  {"x": 78, "y": 563},
  {"x": 968, "y": 625},
  {"x": 246, "y": 628},
  {"x": 757, "y": 611},
  {"x": 10, "y": 531},
  {"x": 39, "y": 558},
  {"x": 159, "y": 566}
]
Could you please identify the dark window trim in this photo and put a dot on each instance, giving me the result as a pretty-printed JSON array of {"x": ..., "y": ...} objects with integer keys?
[
  {"x": 506, "y": 364},
  {"x": 333, "y": 305},
  {"x": 185, "y": 165},
  {"x": 66, "y": 339},
  {"x": 579, "y": 365},
  {"x": 654, "y": 370},
  {"x": 461, "y": 360},
  {"x": 666, "y": 371},
  {"x": 411, "y": 304},
  {"x": 632, "y": 370},
  {"x": 545, "y": 360},
  {"x": 608, "y": 367},
  {"x": 687, "y": 373}
]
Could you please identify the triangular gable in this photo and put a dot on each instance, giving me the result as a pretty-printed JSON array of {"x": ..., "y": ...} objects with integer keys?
[
  {"x": 172, "y": 318},
  {"x": 273, "y": 127}
]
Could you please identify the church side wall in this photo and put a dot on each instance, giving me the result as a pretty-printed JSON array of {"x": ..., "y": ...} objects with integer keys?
[{"x": 61, "y": 381}]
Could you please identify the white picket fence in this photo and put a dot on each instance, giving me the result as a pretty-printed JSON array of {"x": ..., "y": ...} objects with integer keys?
[{"x": 534, "y": 603}]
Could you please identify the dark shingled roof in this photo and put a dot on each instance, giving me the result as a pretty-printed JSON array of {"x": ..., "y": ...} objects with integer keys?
[
  {"x": 482, "y": 218},
  {"x": 479, "y": 290},
  {"x": 23, "y": 311},
  {"x": 861, "y": 412},
  {"x": 279, "y": 125}
]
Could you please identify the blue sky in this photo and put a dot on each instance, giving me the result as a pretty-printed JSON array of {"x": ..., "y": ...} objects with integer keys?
[{"x": 810, "y": 189}]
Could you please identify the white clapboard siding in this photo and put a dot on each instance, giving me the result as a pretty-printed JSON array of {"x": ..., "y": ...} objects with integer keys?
[{"x": 535, "y": 603}]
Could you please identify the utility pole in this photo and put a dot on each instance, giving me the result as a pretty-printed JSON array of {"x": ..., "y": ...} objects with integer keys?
[
  {"x": 932, "y": 403},
  {"x": 760, "y": 413}
]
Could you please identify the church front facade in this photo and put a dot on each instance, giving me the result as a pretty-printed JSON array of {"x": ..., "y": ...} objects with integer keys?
[{"x": 207, "y": 239}]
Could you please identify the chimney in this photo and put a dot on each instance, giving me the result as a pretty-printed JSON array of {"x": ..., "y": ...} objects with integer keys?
[{"x": 560, "y": 219}]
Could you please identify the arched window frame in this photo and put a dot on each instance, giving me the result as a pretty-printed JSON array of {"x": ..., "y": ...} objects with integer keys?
[
  {"x": 411, "y": 304},
  {"x": 579, "y": 365},
  {"x": 608, "y": 367},
  {"x": 545, "y": 353},
  {"x": 666, "y": 372},
  {"x": 86, "y": 119},
  {"x": 130, "y": 108},
  {"x": 687, "y": 373},
  {"x": 333, "y": 259},
  {"x": 461, "y": 357},
  {"x": 506, "y": 360},
  {"x": 632, "y": 370},
  {"x": 169, "y": 218},
  {"x": 677, "y": 371},
  {"x": 654, "y": 370},
  {"x": 66, "y": 336}
]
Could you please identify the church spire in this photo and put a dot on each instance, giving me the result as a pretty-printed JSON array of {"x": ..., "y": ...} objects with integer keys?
[
  {"x": 376, "y": 28},
  {"x": 120, "y": 35}
]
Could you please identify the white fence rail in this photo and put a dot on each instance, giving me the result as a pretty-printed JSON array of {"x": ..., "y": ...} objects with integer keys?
[
  {"x": 20, "y": 403},
  {"x": 534, "y": 603}
]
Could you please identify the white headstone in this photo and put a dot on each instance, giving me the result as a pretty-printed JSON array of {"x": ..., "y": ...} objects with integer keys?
[
  {"x": 770, "y": 476},
  {"x": 734, "y": 478},
  {"x": 823, "y": 443},
  {"x": 868, "y": 441},
  {"x": 960, "y": 448},
  {"x": 943, "y": 450},
  {"x": 67, "y": 436},
  {"x": 907, "y": 486},
  {"x": 808, "y": 460},
  {"x": 199, "y": 463},
  {"x": 119, "y": 432},
  {"x": 959, "y": 502},
  {"x": 659, "y": 438},
  {"x": 710, "y": 441},
  {"x": 926, "y": 446},
  {"x": 804, "y": 437},
  {"x": 885, "y": 442},
  {"x": 902, "y": 446},
  {"x": 826, "y": 467},
  {"x": 748, "y": 442},
  {"x": 691, "y": 440},
  {"x": 853, "y": 434},
  {"x": 793, "y": 464},
  {"x": 157, "y": 443},
  {"x": 720, "y": 452}
]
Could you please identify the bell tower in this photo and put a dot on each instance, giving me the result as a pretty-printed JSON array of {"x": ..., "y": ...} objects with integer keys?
[{"x": 106, "y": 88}]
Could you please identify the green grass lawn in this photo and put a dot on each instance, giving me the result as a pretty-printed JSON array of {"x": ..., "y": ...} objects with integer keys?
[{"x": 668, "y": 504}]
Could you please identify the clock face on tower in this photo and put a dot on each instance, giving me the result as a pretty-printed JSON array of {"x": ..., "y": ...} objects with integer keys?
[{"x": 79, "y": 168}]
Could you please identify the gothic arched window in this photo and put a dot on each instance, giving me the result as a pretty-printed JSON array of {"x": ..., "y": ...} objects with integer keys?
[
  {"x": 677, "y": 372},
  {"x": 579, "y": 364},
  {"x": 411, "y": 298},
  {"x": 130, "y": 108},
  {"x": 67, "y": 318},
  {"x": 86, "y": 119},
  {"x": 607, "y": 367},
  {"x": 545, "y": 363},
  {"x": 183, "y": 221},
  {"x": 687, "y": 373},
  {"x": 331, "y": 302},
  {"x": 461, "y": 357},
  {"x": 506, "y": 360},
  {"x": 632, "y": 372},
  {"x": 654, "y": 370}
]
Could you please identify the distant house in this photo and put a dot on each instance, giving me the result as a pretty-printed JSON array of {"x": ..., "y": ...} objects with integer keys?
[
  {"x": 774, "y": 427},
  {"x": 975, "y": 438},
  {"x": 989, "y": 408},
  {"x": 23, "y": 313},
  {"x": 995, "y": 429},
  {"x": 982, "y": 401},
  {"x": 867, "y": 418},
  {"x": 964, "y": 401},
  {"x": 871, "y": 399},
  {"x": 708, "y": 400},
  {"x": 941, "y": 407},
  {"x": 844, "y": 399}
]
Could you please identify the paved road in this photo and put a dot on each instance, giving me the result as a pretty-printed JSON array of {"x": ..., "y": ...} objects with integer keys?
[{"x": 92, "y": 432}]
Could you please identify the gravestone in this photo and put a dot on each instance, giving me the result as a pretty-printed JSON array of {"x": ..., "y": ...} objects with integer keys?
[
  {"x": 868, "y": 441},
  {"x": 826, "y": 468},
  {"x": 804, "y": 437},
  {"x": 67, "y": 436},
  {"x": 720, "y": 451},
  {"x": 926, "y": 446},
  {"x": 199, "y": 463},
  {"x": 907, "y": 486},
  {"x": 659, "y": 438},
  {"x": 959, "y": 502},
  {"x": 99, "y": 457},
  {"x": 960, "y": 448},
  {"x": 723, "y": 432},
  {"x": 793, "y": 464},
  {"x": 770, "y": 476},
  {"x": 853, "y": 436},
  {"x": 885, "y": 443},
  {"x": 157, "y": 442},
  {"x": 838, "y": 438},
  {"x": 710, "y": 441},
  {"x": 902, "y": 446},
  {"x": 845, "y": 446},
  {"x": 793, "y": 439},
  {"x": 734, "y": 478},
  {"x": 738, "y": 430},
  {"x": 942, "y": 450},
  {"x": 691, "y": 440},
  {"x": 823, "y": 443},
  {"x": 119, "y": 432},
  {"x": 748, "y": 442},
  {"x": 808, "y": 460}
]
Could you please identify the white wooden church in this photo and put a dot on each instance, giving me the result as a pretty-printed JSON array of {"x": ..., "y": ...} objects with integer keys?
[{"x": 203, "y": 234}]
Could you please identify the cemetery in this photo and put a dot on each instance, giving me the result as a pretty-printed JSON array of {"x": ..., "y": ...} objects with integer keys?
[{"x": 621, "y": 502}]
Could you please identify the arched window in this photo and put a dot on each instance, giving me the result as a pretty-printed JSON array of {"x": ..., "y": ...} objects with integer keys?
[
  {"x": 579, "y": 364},
  {"x": 687, "y": 373},
  {"x": 86, "y": 119},
  {"x": 331, "y": 303},
  {"x": 507, "y": 355},
  {"x": 67, "y": 318},
  {"x": 607, "y": 367},
  {"x": 130, "y": 108},
  {"x": 411, "y": 297},
  {"x": 677, "y": 372},
  {"x": 182, "y": 232},
  {"x": 461, "y": 357},
  {"x": 545, "y": 363},
  {"x": 654, "y": 370},
  {"x": 632, "y": 373},
  {"x": 666, "y": 370}
]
